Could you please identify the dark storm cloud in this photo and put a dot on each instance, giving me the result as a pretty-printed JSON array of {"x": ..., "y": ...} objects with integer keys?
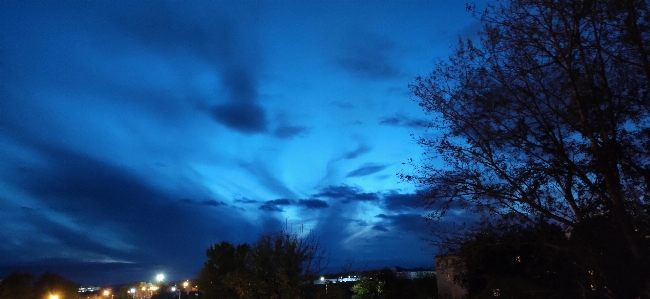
[
  {"x": 362, "y": 149},
  {"x": 243, "y": 117},
  {"x": 241, "y": 113},
  {"x": 379, "y": 227},
  {"x": 405, "y": 222},
  {"x": 346, "y": 194},
  {"x": 313, "y": 203},
  {"x": 76, "y": 180},
  {"x": 398, "y": 201},
  {"x": 287, "y": 132},
  {"x": 215, "y": 39},
  {"x": 275, "y": 205},
  {"x": 368, "y": 56},
  {"x": 206, "y": 202},
  {"x": 271, "y": 208},
  {"x": 366, "y": 170},
  {"x": 63, "y": 236},
  {"x": 212, "y": 203},
  {"x": 403, "y": 121},
  {"x": 81, "y": 192}
]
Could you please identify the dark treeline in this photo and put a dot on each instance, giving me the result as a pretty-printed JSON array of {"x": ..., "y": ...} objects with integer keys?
[
  {"x": 21, "y": 285},
  {"x": 284, "y": 266},
  {"x": 385, "y": 284},
  {"x": 278, "y": 265}
]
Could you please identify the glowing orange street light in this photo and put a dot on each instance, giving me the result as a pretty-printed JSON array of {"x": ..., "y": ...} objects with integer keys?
[{"x": 54, "y": 296}]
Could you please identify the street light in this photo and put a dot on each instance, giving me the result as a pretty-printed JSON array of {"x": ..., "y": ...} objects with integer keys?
[
  {"x": 54, "y": 296},
  {"x": 160, "y": 277}
]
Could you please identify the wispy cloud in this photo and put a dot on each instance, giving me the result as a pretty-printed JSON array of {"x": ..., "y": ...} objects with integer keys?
[
  {"x": 380, "y": 227},
  {"x": 206, "y": 202},
  {"x": 407, "y": 222},
  {"x": 368, "y": 56},
  {"x": 366, "y": 170},
  {"x": 275, "y": 205},
  {"x": 403, "y": 121},
  {"x": 287, "y": 132},
  {"x": 313, "y": 203},
  {"x": 346, "y": 194},
  {"x": 395, "y": 201},
  {"x": 245, "y": 201},
  {"x": 362, "y": 149},
  {"x": 258, "y": 170}
]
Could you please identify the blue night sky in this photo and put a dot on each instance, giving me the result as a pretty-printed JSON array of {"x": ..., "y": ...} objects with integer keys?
[{"x": 134, "y": 134}]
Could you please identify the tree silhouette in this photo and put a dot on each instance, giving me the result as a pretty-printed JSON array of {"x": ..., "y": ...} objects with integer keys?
[
  {"x": 278, "y": 265},
  {"x": 547, "y": 119},
  {"x": 17, "y": 285},
  {"x": 219, "y": 272},
  {"x": 53, "y": 284}
]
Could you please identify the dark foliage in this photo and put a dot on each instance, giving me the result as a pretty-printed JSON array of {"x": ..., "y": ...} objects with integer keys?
[
  {"x": 217, "y": 279},
  {"x": 17, "y": 285},
  {"x": 547, "y": 120},
  {"x": 521, "y": 262},
  {"x": 20, "y": 285},
  {"x": 385, "y": 284},
  {"x": 53, "y": 284},
  {"x": 279, "y": 265}
]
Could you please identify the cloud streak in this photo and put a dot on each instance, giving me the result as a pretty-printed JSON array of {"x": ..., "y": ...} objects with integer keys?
[
  {"x": 313, "y": 203},
  {"x": 275, "y": 205},
  {"x": 346, "y": 194},
  {"x": 403, "y": 121},
  {"x": 368, "y": 56},
  {"x": 366, "y": 170}
]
